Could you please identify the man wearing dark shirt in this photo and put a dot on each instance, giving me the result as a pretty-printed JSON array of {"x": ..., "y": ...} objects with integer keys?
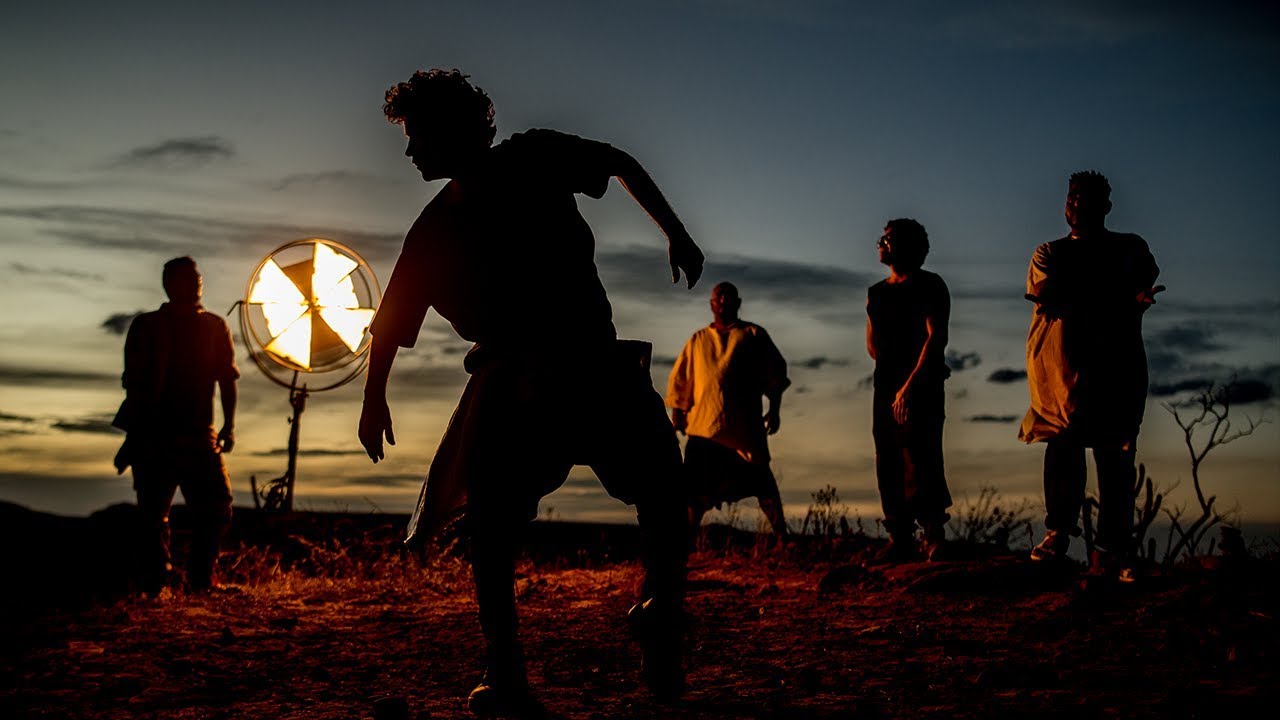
[
  {"x": 1087, "y": 370},
  {"x": 173, "y": 358},
  {"x": 907, "y": 316},
  {"x": 502, "y": 253}
]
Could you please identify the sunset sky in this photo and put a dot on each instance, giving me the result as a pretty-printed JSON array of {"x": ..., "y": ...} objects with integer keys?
[{"x": 784, "y": 133}]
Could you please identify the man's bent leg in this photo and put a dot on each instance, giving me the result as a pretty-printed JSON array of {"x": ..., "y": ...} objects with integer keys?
[
  {"x": 771, "y": 504},
  {"x": 493, "y": 556}
]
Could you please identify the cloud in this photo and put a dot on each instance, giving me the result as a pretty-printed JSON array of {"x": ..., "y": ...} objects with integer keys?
[
  {"x": 318, "y": 452},
  {"x": 118, "y": 323},
  {"x": 187, "y": 153},
  {"x": 1004, "y": 376},
  {"x": 817, "y": 362},
  {"x": 12, "y": 182},
  {"x": 96, "y": 424},
  {"x": 45, "y": 377},
  {"x": 177, "y": 234},
  {"x": 16, "y": 418},
  {"x": 1187, "y": 337},
  {"x": 962, "y": 361},
  {"x": 991, "y": 418},
  {"x": 393, "y": 481},
  {"x": 1238, "y": 392},
  {"x": 68, "y": 273},
  {"x": 330, "y": 179},
  {"x": 638, "y": 273}
]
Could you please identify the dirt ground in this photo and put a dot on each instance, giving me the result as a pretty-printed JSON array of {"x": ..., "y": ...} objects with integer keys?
[{"x": 775, "y": 635}]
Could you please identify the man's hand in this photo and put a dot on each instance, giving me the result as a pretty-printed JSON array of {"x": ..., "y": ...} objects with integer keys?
[
  {"x": 900, "y": 404},
  {"x": 772, "y": 421},
  {"x": 685, "y": 255},
  {"x": 679, "y": 420},
  {"x": 375, "y": 419},
  {"x": 226, "y": 439},
  {"x": 123, "y": 458},
  {"x": 1147, "y": 297}
]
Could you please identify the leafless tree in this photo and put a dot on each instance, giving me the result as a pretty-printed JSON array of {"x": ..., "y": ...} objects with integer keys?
[{"x": 1206, "y": 424}]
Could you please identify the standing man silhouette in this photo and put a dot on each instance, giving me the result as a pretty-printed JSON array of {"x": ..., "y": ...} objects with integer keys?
[
  {"x": 714, "y": 393},
  {"x": 173, "y": 358},
  {"x": 502, "y": 253},
  {"x": 908, "y": 314},
  {"x": 1087, "y": 370}
]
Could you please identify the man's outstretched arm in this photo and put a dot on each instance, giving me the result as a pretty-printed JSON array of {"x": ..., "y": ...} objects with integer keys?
[
  {"x": 682, "y": 251},
  {"x": 375, "y": 416}
]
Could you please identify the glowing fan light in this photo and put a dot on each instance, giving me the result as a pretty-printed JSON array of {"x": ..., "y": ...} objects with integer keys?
[
  {"x": 305, "y": 320},
  {"x": 293, "y": 307}
]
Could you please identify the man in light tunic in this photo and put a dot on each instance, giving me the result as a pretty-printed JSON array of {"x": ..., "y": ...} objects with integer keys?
[
  {"x": 715, "y": 392},
  {"x": 1087, "y": 369}
]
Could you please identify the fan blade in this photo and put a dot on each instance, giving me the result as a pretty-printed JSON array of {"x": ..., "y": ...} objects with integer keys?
[
  {"x": 348, "y": 323},
  {"x": 331, "y": 284},
  {"x": 295, "y": 342}
]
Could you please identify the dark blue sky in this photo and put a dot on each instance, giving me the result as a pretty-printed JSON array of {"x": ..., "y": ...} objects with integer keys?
[{"x": 785, "y": 133}]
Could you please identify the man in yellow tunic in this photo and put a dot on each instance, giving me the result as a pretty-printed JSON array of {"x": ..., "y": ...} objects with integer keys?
[
  {"x": 1087, "y": 368},
  {"x": 715, "y": 392}
]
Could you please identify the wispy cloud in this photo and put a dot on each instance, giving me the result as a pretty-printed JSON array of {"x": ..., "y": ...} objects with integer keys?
[
  {"x": 818, "y": 361},
  {"x": 9, "y": 417},
  {"x": 12, "y": 182},
  {"x": 118, "y": 323},
  {"x": 96, "y": 424},
  {"x": 67, "y": 273},
  {"x": 16, "y": 375},
  {"x": 331, "y": 179},
  {"x": 962, "y": 361},
  {"x": 313, "y": 452},
  {"x": 986, "y": 418},
  {"x": 187, "y": 153},
  {"x": 1004, "y": 376},
  {"x": 172, "y": 233}
]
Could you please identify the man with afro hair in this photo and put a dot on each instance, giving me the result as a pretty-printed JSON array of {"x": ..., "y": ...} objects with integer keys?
[
  {"x": 503, "y": 254},
  {"x": 907, "y": 330}
]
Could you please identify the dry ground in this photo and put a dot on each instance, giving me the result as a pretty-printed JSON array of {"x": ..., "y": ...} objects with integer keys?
[{"x": 786, "y": 634}]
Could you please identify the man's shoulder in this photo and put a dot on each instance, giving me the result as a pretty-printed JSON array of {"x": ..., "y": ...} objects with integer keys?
[
  {"x": 931, "y": 279},
  {"x": 1132, "y": 240},
  {"x": 211, "y": 321}
]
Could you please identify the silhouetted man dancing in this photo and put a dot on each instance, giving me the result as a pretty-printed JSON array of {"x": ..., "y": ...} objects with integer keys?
[
  {"x": 503, "y": 254},
  {"x": 907, "y": 330},
  {"x": 173, "y": 358},
  {"x": 714, "y": 393},
  {"x": 1087, "y": 369}
]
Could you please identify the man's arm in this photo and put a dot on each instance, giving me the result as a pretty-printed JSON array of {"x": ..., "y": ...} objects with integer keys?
[
  {"x": 229, "y": 394},
  {"x": 775, "y": 382},
  {"x": 773, "y": 417},
  {"x": 679, "y": 388},
  {"x": 682, "y": 251},
  {"x": 935, "y": 323},
  {"x": 375, "y": 415}
]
